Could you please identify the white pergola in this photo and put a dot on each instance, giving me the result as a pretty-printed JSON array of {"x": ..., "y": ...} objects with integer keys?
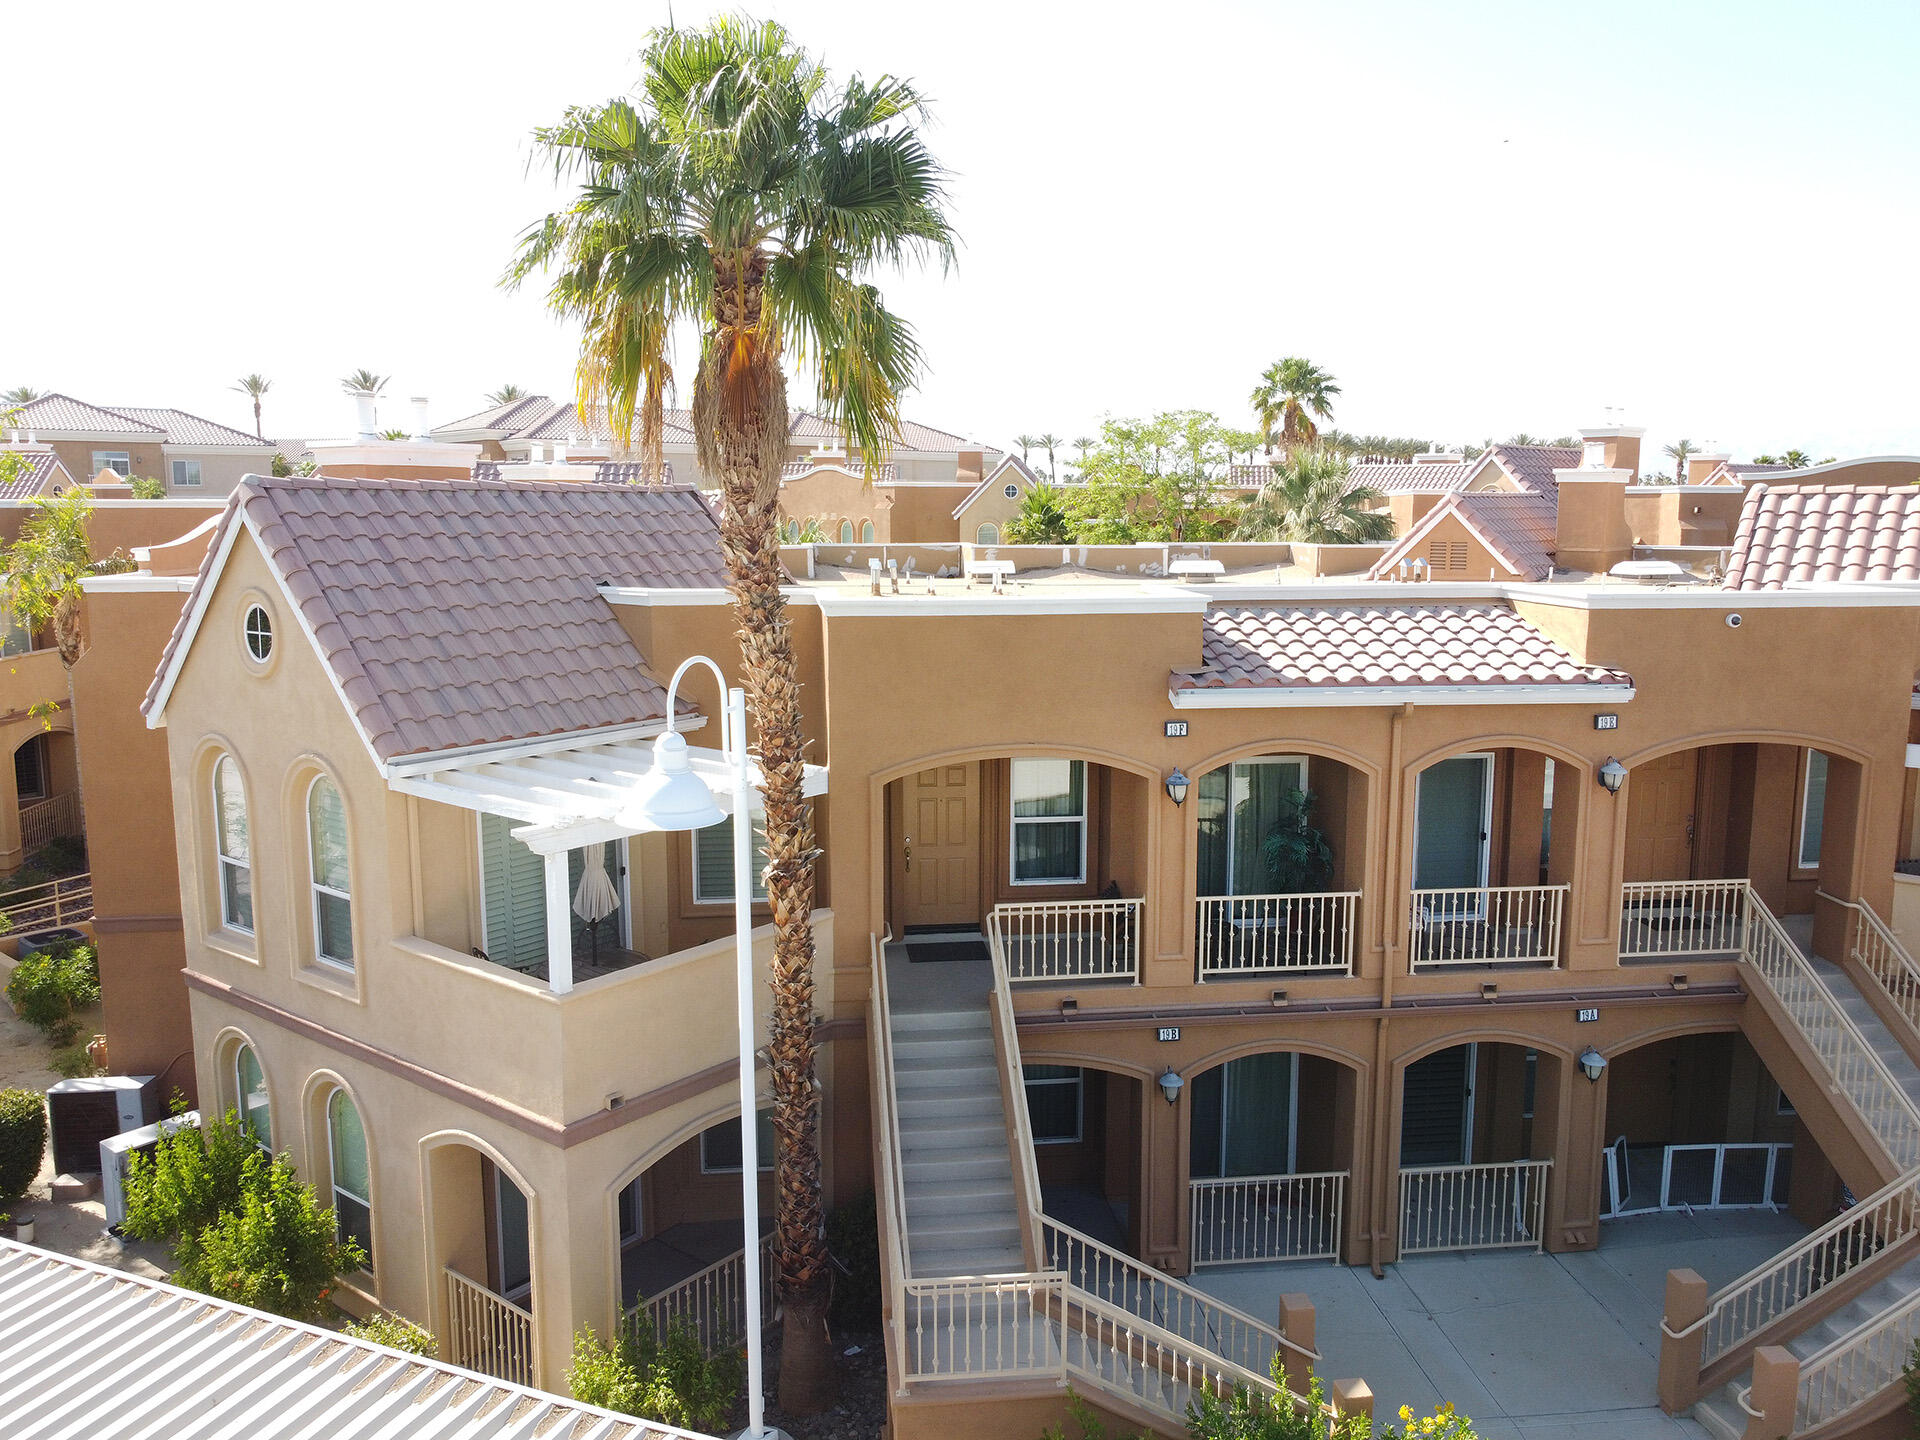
[{"x": 567, "y": 797}]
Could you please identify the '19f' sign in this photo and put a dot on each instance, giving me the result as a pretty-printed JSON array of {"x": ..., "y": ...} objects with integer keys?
[{"x": 1176, "y": 729}]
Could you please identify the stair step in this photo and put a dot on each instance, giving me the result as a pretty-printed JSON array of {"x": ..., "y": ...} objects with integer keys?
[
  {"x": 1720, "y": 1414},
  {"x": 935, "y": 1167},
  {"x": 961, "y": 1049},
  {"x": 957, "y": 1234},
  {"x": 985, "y": 1260},
  {"x": 938, "y": 1065},
  {"x": 973, "y": 1197},
  {"x": 920, "y": 1021},
  {"x": 952, "y": 1103}
]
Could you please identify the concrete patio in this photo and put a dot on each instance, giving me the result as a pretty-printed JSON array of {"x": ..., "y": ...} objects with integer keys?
[{"x": 1531, "y": 1346}]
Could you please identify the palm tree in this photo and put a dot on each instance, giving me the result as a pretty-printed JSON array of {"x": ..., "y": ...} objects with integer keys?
[
  {"x": 1310, "y": 500},
  {"x": 1082, "y": 443},
  {"x": 1048, "y": 441},
  {"x": 1796, "y": 459},
  {"x": 1293, "y": 394},
  {"x": 364, "y": 381},
  {"x": 506, "y": 395},
  {"x": 1026, "y": 443},
  {"x": 1678, "y": 453},
  {"x": 750, "y": 194},
  {"x": 254, "y": 386},
  {"x": 20, "y": 395},
  {"x": 1042, "y": 519}
]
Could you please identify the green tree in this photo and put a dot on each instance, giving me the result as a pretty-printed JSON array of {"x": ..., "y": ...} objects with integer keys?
[
  {"x": 1048, "y": 441},
  {"x": 364, "y": 380},
  {"x": 670, "y": 1379},
  {"x": 253, "y": 387},
  {"x": 1796, "y": 459},
  {"x": 1156, "y": 479},
  {"x": 146, "y": 489},
  {"x": 1311, "y": 499},
  {"x": 1026, "y": 443},
  {"x": 748, "y": 193},
  {"x": 1293, "y": 394},
  {"x": 1678, "y": 452},
  {"x": 1042, "y": 520},
  {"x": 506, "y": 395}
]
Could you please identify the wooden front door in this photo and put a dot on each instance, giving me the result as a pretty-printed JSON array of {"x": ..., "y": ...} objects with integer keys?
[
  {"x": 936, "y": 848},
  {"x": 1660, "y": 810}
]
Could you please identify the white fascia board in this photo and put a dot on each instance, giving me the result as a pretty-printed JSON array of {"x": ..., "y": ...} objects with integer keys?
[
  {"x": 984, "y": 604},
  {"x": 92, "y": 437},
  {"x": 137, "y": 584},
  {"x": 1710, "y": 597},
  {"x": 520, "y": 749},
  {"x": 1913, "y": 757},
  {"x": 1324, "y": 592},
  {"x": 255, "y": 447},
  {"x": 1296, "y": 697},
  {"x": 196, "y": 612},
  {"x": 664, "y": 598}
]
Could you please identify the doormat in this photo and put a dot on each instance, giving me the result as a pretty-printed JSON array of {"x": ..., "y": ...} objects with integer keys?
[{"x": 922, "y": 954}]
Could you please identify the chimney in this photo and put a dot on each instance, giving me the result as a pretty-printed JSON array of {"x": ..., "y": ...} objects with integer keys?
[
  {"x": 420, "y": 426},
  {"x": 1699, "y": 467},
  {"x": 1611, "y": 447},
  {"x": 1591, "y": 523},
  {"x": 365, "y": 426}
]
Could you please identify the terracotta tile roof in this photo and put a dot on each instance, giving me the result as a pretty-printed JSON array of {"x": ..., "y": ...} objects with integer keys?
[
  {"x": 807, "y": 428},
  {"x": 992, "y": 481},
  {"x": 1349, "y": 646},
  {"x": 502, "y": 417},
  {"x": 1409, "y": 477},
  {"x": 189, "y": 430},
  {"x": 1247, "y": 477},
  {"x": 55, "y": 413},
  {"x": 43, "y": 472},
  {"x": 1805, "y": 534},
  {"x": 563, "y": 422},
  {"x": 794, "y": 469},
  {"x": 1533, "y": 465},
  {"x": 1517, "y": 526},
  {"x": 605, "y": 472},
  {"x": 459, "y": 612}
]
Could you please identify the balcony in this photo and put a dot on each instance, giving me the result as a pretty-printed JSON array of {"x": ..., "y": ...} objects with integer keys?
[
  {"x": 1486, "y": 925},
  {"x": 1052, "y": 942},
  {"x": 1238, "y": 935}
]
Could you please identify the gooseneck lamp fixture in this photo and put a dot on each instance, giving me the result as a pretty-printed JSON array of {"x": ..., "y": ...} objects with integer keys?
[
  {"x": 1612, "y": 776},
  {"x": 1170, "y": 1084},
  {"x": 1177, "y": 784}
]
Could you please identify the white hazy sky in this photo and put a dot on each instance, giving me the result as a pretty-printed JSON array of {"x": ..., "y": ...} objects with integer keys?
[{"x": 1482, "y": 217}]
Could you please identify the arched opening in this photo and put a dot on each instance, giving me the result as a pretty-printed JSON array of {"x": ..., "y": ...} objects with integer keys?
[
  {"x": 1479, "y": 1124},
  {"x": 1492, "y": 859},
  {"x": 988, "y": 534},
  {"x": 1280, "y": 847},
  {"x": 481, "y": 1222},
  {"x": 1087, "y": 1137},
  {"x": 1270, "y": 1155},
  {"x": 47, "y": 796}
]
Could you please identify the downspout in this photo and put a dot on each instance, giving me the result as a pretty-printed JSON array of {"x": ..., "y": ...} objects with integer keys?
[{"x": 1393, "y": 930}]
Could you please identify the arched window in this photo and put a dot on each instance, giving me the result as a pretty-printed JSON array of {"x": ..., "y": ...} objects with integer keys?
[
  {"x": 866, "y": 532},
  {"x": 332, "y": 888},
  {"x": 250, "y": 1096},
  {"x": 989, "y": 534},
  {"x": 846, "y": 532},
  {"x": 232, "y": 851},
  {"x": 352, "y": 1182}
]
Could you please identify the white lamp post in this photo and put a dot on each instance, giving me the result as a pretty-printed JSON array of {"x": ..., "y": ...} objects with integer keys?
[{"x": 672, "y": 797}]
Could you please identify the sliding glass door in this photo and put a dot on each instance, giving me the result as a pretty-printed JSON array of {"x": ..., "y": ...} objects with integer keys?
[
  {"x": 1240, "y": 805},
  {"x": 1452, "y": 820},
  {"x": 1243, "y": 1117}
]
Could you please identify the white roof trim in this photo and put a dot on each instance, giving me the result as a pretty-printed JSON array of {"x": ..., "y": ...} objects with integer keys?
[
  {"x": 500, "y": 750},
  {"x": 1013, "y": 462},
  {"x": 106, "y": 1352},
  {"x": 1294, "y": 697},
  {"x": 135, "y": 584},
  {"x": 196, "y": 612},
  {"x": 1171, "y": 598}
]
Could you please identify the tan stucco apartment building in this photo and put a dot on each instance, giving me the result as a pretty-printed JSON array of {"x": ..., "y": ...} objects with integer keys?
[{"x": 1254, "y": 914}]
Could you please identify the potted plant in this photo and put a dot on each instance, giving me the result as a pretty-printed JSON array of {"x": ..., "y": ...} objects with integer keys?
[{"x": 1299, "y": 861}]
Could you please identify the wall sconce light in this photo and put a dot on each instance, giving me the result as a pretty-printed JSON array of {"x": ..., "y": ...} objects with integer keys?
[
  {"x": 1592, "y": 1064},
  {"x": 1170, "y": 1084},
  {"x": 1177, "y": 784},
  {"x": 1612, "y": 776}
]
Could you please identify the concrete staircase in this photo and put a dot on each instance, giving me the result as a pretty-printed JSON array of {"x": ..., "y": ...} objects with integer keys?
[
  {"x": 1891, "y": 1052},
  {"x": 962, "y": 1214}
]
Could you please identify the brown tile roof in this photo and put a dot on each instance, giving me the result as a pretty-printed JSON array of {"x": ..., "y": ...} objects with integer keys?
[
  {"x": 808, "y": 428},
  {"x": 456, "y": 612},
  {"x": 1247, "y": 477},
  {"x": 1409, "y": 477},
  {"x": 502, "y": 417},
  {"x": 1349, "y": 646},
  {"x": 189, "y": 430},
  {"x": 55, "y": 413},
  {"x": 1517, "y": 526},
  {"x": 1804, "y": 534},
  {"x": 43, "y": 472},
  {"x": 795, "y": 469},
  {"x": 562, "y": 423},
  {"x": 1533, "y": 465},
  {"x": 605, "y": 472}
]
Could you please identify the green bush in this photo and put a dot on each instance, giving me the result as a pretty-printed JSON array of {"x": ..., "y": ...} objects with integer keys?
[
  {"x": 23, "y": 1141},
  {"x": 1090, "y": 1425},
  {"x": 194, "y": 1176},
  {"x": 1246, "y": 1415},
  {"x": 62, "y": 855},
  {"x": 146, "y": 489},
  {"x": 395, "y": 1332},
  {"x": 49, "y": 986},
  {"x": 853, "y": 1236},
  {"x": 74, "y": 1063},
  {"x": 670, "y": 1381}
]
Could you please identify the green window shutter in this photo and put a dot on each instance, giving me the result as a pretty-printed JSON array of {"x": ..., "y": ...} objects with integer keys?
[
  {"x": 513, "y": 882},
  {"x": 713, "y": 861}
]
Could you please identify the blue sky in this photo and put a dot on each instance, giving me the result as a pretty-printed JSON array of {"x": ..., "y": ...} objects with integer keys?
[{"x": 1481, "y": 217}]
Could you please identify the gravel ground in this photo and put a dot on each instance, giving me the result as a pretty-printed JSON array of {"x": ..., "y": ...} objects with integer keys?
[{"x": 862, "y": 1407}]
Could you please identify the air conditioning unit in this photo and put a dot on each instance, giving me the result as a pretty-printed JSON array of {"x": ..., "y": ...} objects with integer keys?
[
  {"x": 113, "y": 1159},
  {"x": 85, "y": 1112}
]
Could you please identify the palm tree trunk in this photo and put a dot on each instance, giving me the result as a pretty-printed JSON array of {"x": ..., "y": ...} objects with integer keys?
[
  {"x": 740, "y": 410},
  {"x": 258, "y": 433}
]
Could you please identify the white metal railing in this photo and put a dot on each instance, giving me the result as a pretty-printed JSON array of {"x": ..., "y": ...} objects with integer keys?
[
  {"x": 487, "y": 1333},
  {"x": 45, "y": 820},
  {"x": 1487, "y": 925},
  {"x": 1115, "y": 1350},
  {"x": 1268, "y": 1217},
  {"x": 1742, "y": 1309},
  {"x": 1738, "y": 1175},
  {"x": 1473, "y": 1207},
  {"x": 712, "y": 1303},
  {"x": 1007, "y": 1039},
  {"x": 1848, "y": 1058},
  {"x": 1857, "y": 1366},
  {"x": 1249, "y": 934},
  {"x": 982, "y": 1327},
  {"x": 51, "y": 906},
  {"x": 1681, "y": 917},
  {"x": 1880, "y": 953},
  {"x": 1049, "y": 941},
  {"x": 889, "y": 1169}
]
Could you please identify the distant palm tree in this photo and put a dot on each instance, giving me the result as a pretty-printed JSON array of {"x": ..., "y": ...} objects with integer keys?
[
  {"x": 253, "y": 387},
  {"x": 1049, "y": 440},
  {"x": 1026, "y": 443},
  {"x": 1796, "y": 459},
  {"x": 393, "y": 434},
  {"x": 1292, "y": 394},
  {"x": 1082, "y": 443},
  {"x": 1521, "y": 437},
  {"x": 364, "y": 380},
  {"x": 1310, "y": 500},
  {"x": 506, "y": 395},
  {"x": 1678, "y": 453},
  {"x": 20, "y": 395}
]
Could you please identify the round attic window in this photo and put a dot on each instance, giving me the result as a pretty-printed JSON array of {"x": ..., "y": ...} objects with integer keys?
[
  {"x": 259, "y": 631},
  {"x": 1012, "y": 492}
]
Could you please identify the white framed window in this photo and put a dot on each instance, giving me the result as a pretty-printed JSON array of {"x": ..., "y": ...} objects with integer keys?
[
  {"x": 720, "y": 1145},
  {"x": 713, "y": 862},
  {"x": 988, "y": 534},
  {"x": 846, "y": 532},
  {"x": 1012, "y": 492},
  {"x": 233, "y": 851},
  {"x": 332, "y": 885},
  {"x": 1048, "y": 843},
  {"x": 866, "y": 532},
  {"x": 1056, "y": 1103},
  {"x": 351, "y": 1177},
  {"x": 118, "y": 461},
  {"x": 250, "y": 1096},
  {"x": 1813, "y": 804},
  {"x": 186, "y": 473},
  {"x": 258, "y": 629}
]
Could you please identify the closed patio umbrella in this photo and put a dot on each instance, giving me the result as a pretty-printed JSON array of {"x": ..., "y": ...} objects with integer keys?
[{"x": 596, "y": 898}]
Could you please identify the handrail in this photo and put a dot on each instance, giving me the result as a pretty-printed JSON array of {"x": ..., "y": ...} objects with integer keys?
[
  {"x": 1109, "y": 949},
  {"x": 1696, "y": 917},
  {"x": 1886, "y": 960},
  {"x": 1002, "y": 1002},
  {"x": 488, "y": 1332},
  {"x": 715, "y": 1292},
  {"x": 1772, "y": 954},
  {"x": 892, "y": 1190},
  {"x": 1257, "y": 934},
  {"x": 1230, "y": 1226},
  {"x": 1499, "y": 1205},
  {"x": 1850, "y": 1371},
  {"x": 48, "y": 906},
  {"x": 1485, "y": 925}
]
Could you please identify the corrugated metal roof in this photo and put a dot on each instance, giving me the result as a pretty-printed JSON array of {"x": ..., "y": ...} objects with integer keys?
[
  {"x": 90, "y": 1352},
  {"x": 1805, "y": 534}
]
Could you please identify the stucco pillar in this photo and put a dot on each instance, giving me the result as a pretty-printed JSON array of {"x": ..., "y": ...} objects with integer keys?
[
  {"x": 573, "y": 1269},
  {"x": 1839, "y": 854},
  {"x": 1681, "y": 1346},
  {"x": 1569, "y": 1124},
  {"x": 1163, "y": 1179},
  {"x": 12, "y": 855}
]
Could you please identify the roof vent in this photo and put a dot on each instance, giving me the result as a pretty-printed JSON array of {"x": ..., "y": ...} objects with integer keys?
[{"x": 1649, "y": 572}]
